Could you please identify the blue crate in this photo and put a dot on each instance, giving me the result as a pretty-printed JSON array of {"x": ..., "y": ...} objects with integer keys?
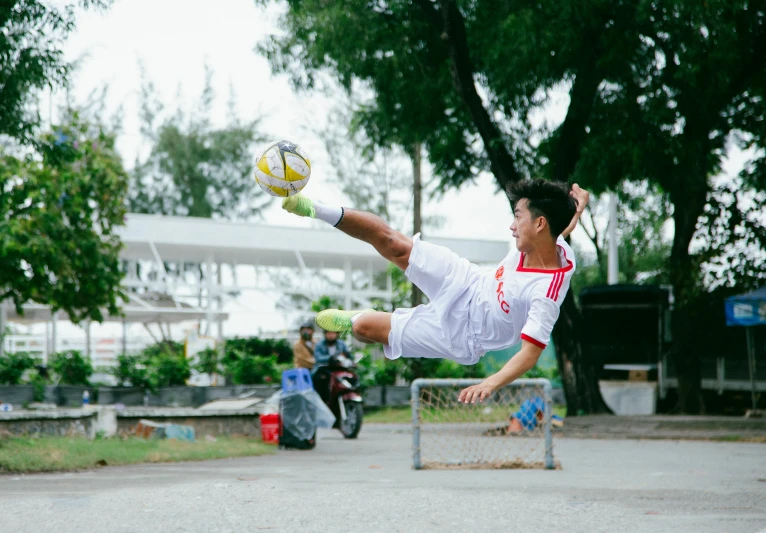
[{"x": 296, "y": 379}]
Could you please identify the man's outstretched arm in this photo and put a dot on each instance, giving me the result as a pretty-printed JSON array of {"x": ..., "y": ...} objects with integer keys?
[
  {"x": 516, "y": 367},
  {"x": 581, "y": 196}
]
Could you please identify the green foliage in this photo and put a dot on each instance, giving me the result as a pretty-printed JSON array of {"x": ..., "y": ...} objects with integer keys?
[
  {"x": 130, "y": 372},
  {"x": 31, "y": 59},
  {"x": 208, "y": 361},
  {"x": 325, "y": 302},
  {"x": 166, "y": 364},
  {"x": 243, "y": 368},
  {"x": 643, "y": 243},
  {"x": 59, "y": 211},
  {"x": 253, "y": 361},
  {"x": 262, "y": 347},
  {"x": 14, "y": 366},
  {"x": 374, "y": 180},
  {"x": 162, "y": 364},
  {"x": 396, "y": 51},
  {"x": 657, "y": 93},
  {"x": 195, "y": 169},
  {"x": 38, "y": 381},
  {"x": 71, "y": 368},
  {"x": 379, "y": 372},
  {"x": 551, "y": 374}
]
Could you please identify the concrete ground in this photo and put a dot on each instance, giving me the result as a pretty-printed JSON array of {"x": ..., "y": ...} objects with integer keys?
[{"x": 367, "y": 485}]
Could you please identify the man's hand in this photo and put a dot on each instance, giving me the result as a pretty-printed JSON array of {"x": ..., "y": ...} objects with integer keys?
[
  {"x": 479, "y": 392},
  {"x": 581, "y": 196}
]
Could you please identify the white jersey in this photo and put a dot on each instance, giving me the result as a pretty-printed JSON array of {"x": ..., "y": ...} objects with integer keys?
[
  {"x": 474, "y": 310},
  {"x": 516, "y": 302}
]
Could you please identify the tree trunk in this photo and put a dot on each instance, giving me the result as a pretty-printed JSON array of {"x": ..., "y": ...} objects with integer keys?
[
  {"x": 683, "y": 276},
  {"x": 417, "y": 221},
  {"x": 579, "y": 373}
]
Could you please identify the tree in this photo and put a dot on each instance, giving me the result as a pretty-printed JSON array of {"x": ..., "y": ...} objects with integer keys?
[
  {"x": 59, "y": 209},
  {"x": 417, "y": 60},
  {"x": 195, "y": 169},
  {"x": 699, "y": 85},
  {"x": 643, "y": 247},
  {"x": 374, "y": 180},
  {"x": 31, "y": 34},
  {"x": 662, "y": 84}
]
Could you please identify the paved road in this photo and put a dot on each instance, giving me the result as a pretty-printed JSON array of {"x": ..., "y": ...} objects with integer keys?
[{"x": 367, "y": 485}]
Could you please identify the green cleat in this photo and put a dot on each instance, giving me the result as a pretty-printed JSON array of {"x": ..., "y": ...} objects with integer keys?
[
  {"x": 337, "y": 320},
  {"x": 299, "y": 205}
]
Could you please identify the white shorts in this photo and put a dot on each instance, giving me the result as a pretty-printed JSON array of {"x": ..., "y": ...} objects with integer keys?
[{"x": 440, "y": 329}]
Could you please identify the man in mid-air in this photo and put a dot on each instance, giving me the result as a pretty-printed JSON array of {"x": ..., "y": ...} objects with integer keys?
[{"x": 471, "y": 310}]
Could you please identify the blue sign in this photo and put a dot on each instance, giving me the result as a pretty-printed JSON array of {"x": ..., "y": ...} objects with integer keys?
[{"x": 747, "y": 309}]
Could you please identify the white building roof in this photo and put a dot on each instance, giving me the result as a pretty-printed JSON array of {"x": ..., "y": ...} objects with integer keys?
[{"x": 198, "y": 239}]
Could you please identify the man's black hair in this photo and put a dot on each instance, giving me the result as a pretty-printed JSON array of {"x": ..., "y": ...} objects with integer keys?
[{"x": 549, "y": 199}]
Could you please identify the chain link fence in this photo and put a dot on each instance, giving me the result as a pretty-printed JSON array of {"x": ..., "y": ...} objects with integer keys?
[{"x": 511, "y": 429}]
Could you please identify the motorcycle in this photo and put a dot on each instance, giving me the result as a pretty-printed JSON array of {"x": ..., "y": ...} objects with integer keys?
[{"x": 344, "y": 399}]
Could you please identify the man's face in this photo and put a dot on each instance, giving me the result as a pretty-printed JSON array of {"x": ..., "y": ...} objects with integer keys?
[
  {"x": 525, "y": 227},
  {"x": 331, "y": 336},
  {"x": 307, "y": 333}
]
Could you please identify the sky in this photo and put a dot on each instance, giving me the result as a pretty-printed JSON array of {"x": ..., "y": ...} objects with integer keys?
[{"x": 174, "y": 40}]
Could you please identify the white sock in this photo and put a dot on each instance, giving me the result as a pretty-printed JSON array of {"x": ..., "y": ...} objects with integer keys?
[{"x": 329, "y": 213}]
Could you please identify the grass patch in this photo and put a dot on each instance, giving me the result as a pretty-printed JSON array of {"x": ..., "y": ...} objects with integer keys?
[
  {"x": 761, "y": 439},
  {"x": 468, "y": 413},
  {"x": 56, "y": 454}
]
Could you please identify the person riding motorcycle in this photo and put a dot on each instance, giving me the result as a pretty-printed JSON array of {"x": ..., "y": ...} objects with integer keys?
[
  {"x": 325, "y": 350},
  {"x": 303, "y": 349}
]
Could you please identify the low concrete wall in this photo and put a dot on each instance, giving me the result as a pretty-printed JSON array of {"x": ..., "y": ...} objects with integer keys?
[
  {"x": 58, "y": 423},
  {"x": 61, "y": 395},
  {"x": 71, "y": 396},
  {"x": 66, "y": 395},
  {"x": 85, "y": 422},
  {"x": 17, "y": 395},
  {"x": 386, "y": 396},
  {"x": 242, "y": 422},
  {"x": 179, "y": 396},
  {"x": 123, "y": 395}
]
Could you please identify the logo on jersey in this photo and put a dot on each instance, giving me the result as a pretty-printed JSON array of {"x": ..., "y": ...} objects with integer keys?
[
  {"x": 500, "y": 293},
  {"x": 501, "y": 299}
]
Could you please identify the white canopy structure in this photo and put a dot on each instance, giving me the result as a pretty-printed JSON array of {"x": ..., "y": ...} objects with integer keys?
[{"x": 151, "y": 242}]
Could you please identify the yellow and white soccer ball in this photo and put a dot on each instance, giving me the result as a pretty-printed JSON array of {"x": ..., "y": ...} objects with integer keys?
[{"x": 284, "y": 169}]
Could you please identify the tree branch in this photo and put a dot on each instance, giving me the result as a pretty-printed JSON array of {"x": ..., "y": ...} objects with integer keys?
[
  {"x": 455, "y": 37},
  {"x": 572, "y": 133}
]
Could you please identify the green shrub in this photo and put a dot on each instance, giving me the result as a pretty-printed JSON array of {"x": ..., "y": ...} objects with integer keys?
[
  {"x": 243, "y": 368},
  {"x": 71, "y": 367},
  {"x": 130, "y": 371},
  {"x": 166, "y": 364},
  {"x": 261, "y": 347},
  {"x": 13, "y": 366},
  {"x": 162, "y": 364}
]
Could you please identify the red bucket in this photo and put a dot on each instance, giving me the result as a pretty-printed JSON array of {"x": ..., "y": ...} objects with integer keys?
[{"x": 270, "y": 426}]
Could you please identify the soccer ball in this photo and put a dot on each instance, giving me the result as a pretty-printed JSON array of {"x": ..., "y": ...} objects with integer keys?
[{"x": 283, "y": 169}]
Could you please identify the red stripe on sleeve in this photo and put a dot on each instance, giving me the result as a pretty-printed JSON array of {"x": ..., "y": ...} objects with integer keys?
[
  {"x": 549, "y": 294},
  {"x": 558, "y": 287},
  {"x": 536, "y": 342}
]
